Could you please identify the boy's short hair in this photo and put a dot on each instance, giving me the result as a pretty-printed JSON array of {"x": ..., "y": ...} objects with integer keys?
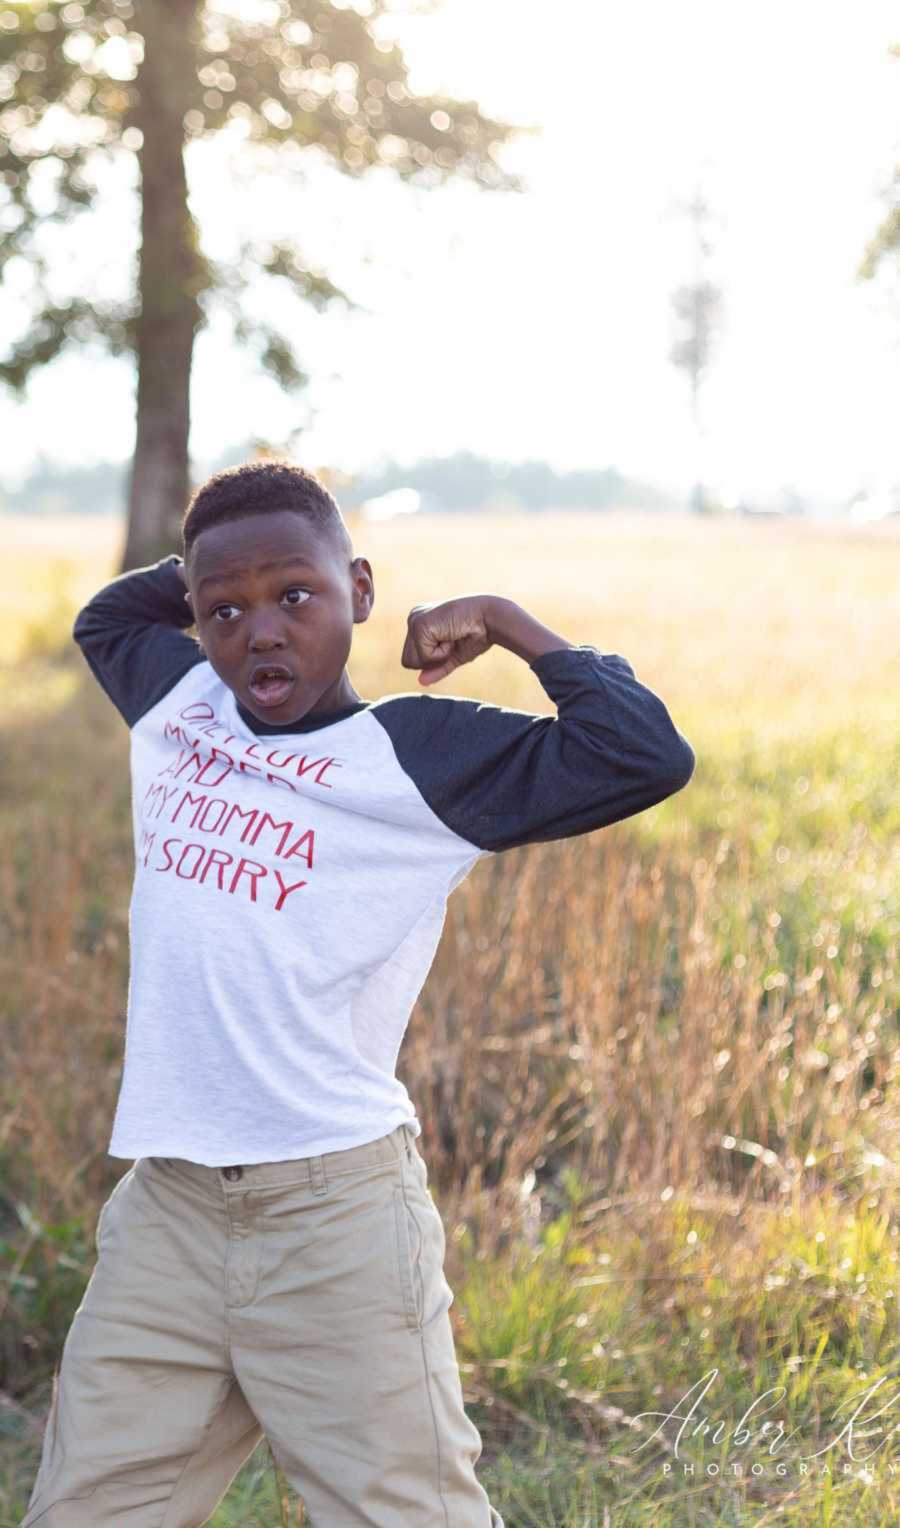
[{"x": 260, "y": 488}]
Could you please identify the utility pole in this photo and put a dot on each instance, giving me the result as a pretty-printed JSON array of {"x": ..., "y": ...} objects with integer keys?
[{"x": 697, "y": 308}]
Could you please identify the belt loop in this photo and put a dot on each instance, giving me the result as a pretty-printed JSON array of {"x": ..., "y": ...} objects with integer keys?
[{"x": 317, "y": 1175}]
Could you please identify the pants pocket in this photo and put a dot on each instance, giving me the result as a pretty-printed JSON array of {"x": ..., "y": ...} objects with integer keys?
[
  {"x": 103, "y": 1217},
  {"x": 409, "y": 1255}
]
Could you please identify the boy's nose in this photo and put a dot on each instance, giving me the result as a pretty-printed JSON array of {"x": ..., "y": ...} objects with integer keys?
[{"x": 264, "y": 641}]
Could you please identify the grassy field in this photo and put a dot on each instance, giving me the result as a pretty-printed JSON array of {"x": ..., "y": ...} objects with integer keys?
[{"x": 657, "y": 1067}]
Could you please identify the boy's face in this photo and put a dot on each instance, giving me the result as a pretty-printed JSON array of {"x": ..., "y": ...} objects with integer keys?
[{"x": 298, "y": 617}]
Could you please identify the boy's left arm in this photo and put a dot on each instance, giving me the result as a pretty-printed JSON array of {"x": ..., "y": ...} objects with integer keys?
[{"x": 502, "y": 778}]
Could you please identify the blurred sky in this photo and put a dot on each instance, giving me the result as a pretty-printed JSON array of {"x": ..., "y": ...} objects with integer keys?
[{"x": 539, "y": 325}]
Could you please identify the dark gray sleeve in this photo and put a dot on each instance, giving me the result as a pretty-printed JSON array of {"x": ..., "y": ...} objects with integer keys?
[
  {"x": 502, "y": 778},
  {"x": 133, "y": 636}
]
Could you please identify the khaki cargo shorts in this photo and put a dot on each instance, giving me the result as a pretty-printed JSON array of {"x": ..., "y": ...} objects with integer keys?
[{"x": 304, "y": 1301}]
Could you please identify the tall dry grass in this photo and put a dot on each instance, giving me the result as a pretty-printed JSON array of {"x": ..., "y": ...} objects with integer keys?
[{"x": 683, "y": 1026}]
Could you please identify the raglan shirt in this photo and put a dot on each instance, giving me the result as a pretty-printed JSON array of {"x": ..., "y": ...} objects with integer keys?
[{"x": 291, "y": 880}]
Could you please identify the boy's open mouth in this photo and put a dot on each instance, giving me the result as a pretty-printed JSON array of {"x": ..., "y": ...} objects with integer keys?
[{"x": 270, "y": 684}]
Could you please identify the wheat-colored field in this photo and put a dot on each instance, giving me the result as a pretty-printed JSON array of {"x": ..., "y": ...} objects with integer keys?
[
  {"x": 784, "y": 623},
  {"x": 657, "y": 1067}
]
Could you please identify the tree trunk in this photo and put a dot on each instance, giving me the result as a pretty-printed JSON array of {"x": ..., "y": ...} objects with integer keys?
[{"x": 171, "y": 278}]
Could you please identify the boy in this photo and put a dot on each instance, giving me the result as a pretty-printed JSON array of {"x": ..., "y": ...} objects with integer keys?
[{"x": 272, "y": 1263}]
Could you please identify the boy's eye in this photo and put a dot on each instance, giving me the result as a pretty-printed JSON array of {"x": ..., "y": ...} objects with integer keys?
[{"x": 294, "y": 604}]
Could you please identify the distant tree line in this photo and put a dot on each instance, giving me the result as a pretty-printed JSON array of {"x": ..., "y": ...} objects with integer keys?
[
  {"x": 52, "y": 490},
  {"x": 463, "y": 482},
  {"x": 469, "y": 482}
]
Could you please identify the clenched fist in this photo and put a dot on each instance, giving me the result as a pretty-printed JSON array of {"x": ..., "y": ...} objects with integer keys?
[{"x": 440, "y": 638}]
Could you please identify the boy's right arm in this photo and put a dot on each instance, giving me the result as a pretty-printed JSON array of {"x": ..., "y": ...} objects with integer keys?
[{"x": 133, "y": 635}]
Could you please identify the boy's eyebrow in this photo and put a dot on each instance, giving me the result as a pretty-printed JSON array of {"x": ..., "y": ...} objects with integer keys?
[{"x": 280, "y": 562}]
